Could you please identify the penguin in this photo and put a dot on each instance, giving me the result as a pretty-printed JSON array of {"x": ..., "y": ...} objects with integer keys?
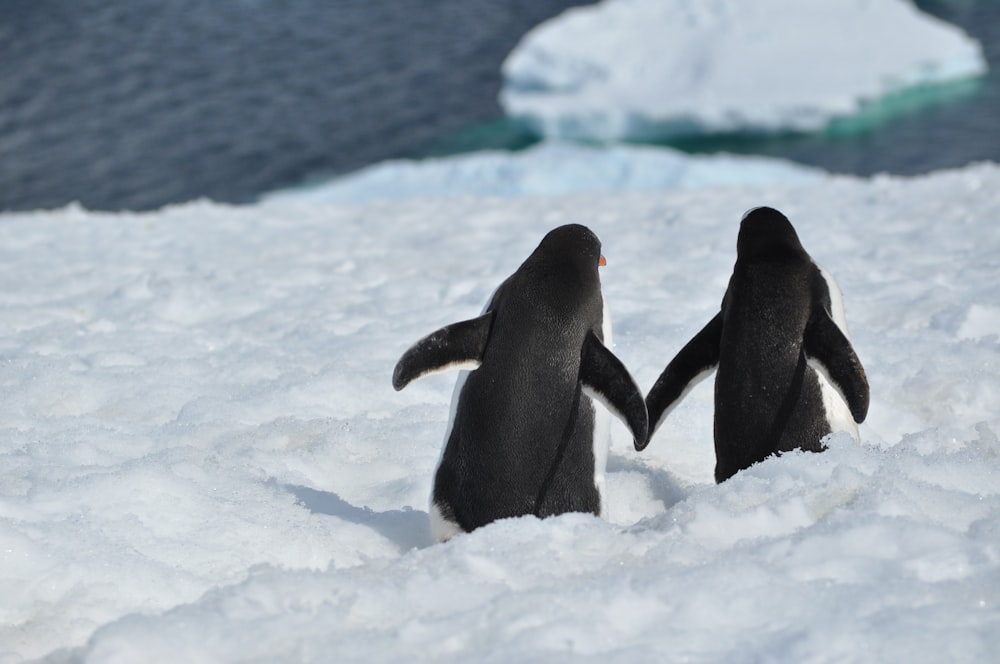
[
  {"x": 786, "y": 373},
  {"x": 524, "y": 436}
]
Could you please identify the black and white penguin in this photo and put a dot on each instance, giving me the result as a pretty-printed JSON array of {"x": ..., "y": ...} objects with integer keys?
[
  {"x": 524, "y": 436},
  {"x": 787, "y": 374}
]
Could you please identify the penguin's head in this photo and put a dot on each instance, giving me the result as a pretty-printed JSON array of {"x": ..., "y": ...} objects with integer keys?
[
  {"x": 765, "y": 233},
  {"x": 572, "y": 243}
]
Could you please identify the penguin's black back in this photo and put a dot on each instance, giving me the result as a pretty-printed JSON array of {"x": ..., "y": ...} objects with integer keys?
[
  {"x": 522, "y": 436},
  {"x": 767, "y": 400}
]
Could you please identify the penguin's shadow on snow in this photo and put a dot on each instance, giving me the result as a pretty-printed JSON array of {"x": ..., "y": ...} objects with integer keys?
[
  {"x": 406, "y": 528},
  {"x": 661, "y": 483}
]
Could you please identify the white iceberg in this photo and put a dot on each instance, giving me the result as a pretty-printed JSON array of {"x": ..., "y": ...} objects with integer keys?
[
  {"x": 657, "y": 69},
  {"x": 550, "y": 169}
]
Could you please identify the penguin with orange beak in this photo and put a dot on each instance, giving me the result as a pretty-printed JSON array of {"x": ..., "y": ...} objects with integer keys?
[{"x": 524, "y": 435}]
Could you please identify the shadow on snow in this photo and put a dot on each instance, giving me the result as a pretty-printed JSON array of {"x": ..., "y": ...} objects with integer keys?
[{"x": 406, "y": 528}]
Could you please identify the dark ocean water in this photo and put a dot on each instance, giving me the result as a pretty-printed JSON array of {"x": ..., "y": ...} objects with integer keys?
[
  {"x": 142, "y": 103},
  {"x": 138, "y": 103}
]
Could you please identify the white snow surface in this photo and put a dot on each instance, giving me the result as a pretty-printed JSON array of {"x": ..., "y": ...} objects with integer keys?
[
  {"x": 657, "y": 69},
  {"x": 202, "y": 458},
  {"x": 549, "y": 168}
]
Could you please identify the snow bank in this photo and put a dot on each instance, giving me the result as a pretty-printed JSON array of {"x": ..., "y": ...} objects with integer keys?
[
  {"x": 849, "y": 557},
  {"x": 655, "y": 69},
  {"x": 202, "y": 458},
  {"x": 550, "y": 168}
]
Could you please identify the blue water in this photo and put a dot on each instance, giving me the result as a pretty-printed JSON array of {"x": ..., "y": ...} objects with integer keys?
[
  {"x": 133, "y": 105},
  {"x": 138, "y": 103}
]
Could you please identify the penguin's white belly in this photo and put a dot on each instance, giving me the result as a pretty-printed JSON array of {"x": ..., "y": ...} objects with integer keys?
[{"x": 838, "y": 413}]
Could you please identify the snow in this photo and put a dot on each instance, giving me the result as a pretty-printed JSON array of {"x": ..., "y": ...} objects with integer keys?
[
  {"x": 202, "y": 458},
  {"x": 660, "y": 69},
  {"x": 549, "y": 168}
]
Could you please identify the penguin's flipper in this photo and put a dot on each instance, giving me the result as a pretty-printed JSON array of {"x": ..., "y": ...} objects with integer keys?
[
  {"x": 606, "y": 379},
  {"x": 690, "y": 366},
  {"x": 830, "y": 351},
  {"x": 456, "y": 346}
]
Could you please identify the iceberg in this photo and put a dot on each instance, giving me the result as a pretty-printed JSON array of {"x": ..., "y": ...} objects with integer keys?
[{"x": 648, "y": 70}]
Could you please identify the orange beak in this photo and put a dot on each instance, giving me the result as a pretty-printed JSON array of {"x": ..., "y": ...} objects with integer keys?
[{"x": 602, "y": 261}]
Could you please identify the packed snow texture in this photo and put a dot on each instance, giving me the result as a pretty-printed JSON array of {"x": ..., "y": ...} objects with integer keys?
[
  {"x": 202, "y": 458},
  {"x": 659, "y": 69},
  {"x": 550, "y": 168}
]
